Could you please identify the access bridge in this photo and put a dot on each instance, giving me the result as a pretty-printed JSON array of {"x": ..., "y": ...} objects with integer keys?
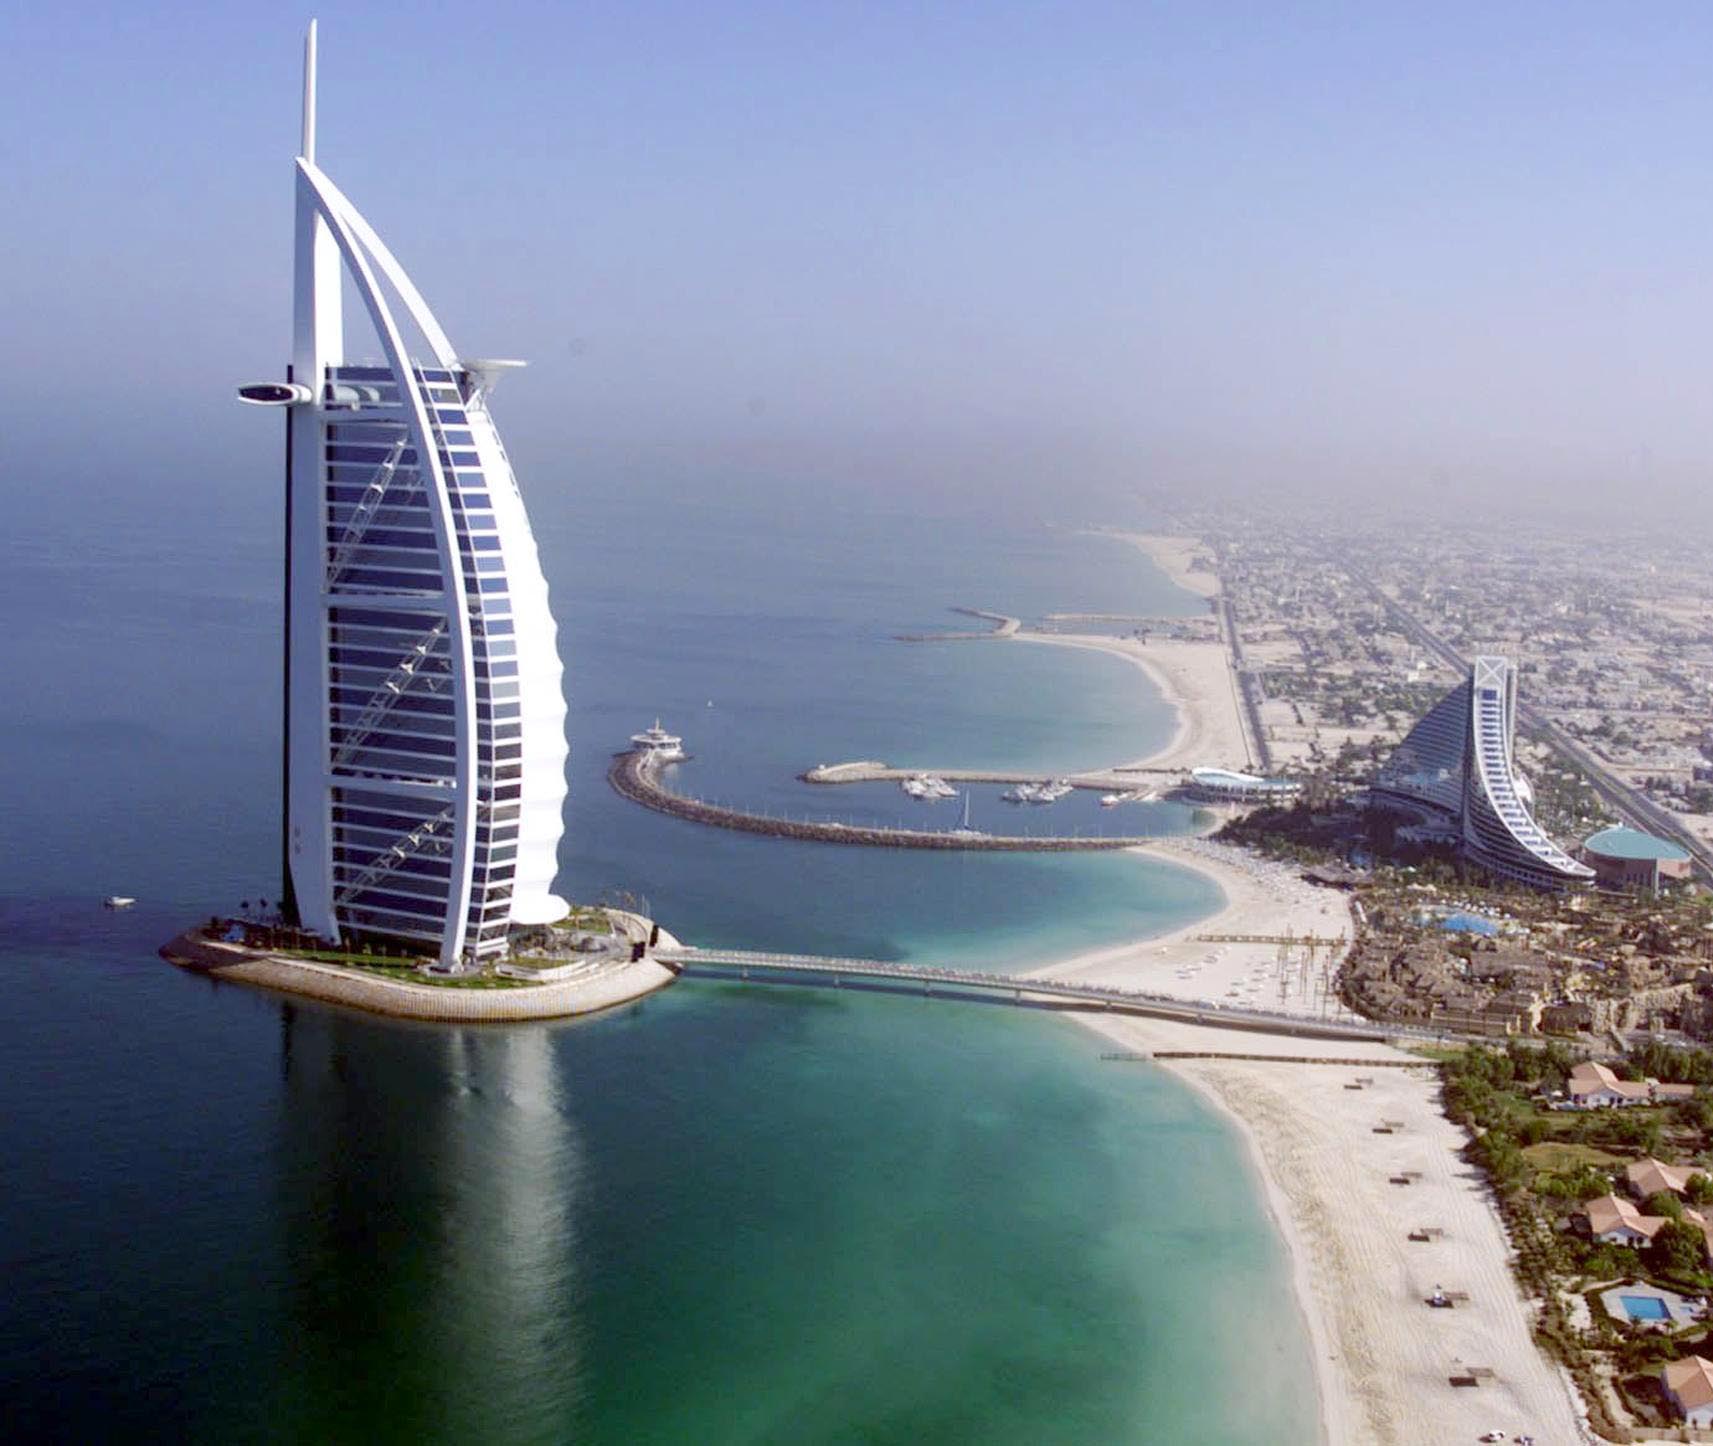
[{"x": 825, "y": 971}]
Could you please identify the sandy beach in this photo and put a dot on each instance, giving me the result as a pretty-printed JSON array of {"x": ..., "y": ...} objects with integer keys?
[
  {"x": 1261, "y": 898},
  {"x": 1384, "y": 1359},
  {"x": 1175, "y": 557},
  {"x": 1196, "y": 679}
]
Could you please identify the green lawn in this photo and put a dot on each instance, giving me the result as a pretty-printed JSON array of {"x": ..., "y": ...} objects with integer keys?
[
  {"x": 1561, "y": 1156},
  {"x": 401, "y": 970}
]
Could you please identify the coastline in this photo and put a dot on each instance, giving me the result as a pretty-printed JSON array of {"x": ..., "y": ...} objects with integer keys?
[
  {"x": 1261, "y": 898},
  {"x": 1382, "y": 1359},
  {"x": 1175, "y": 555},
  {"x": 377, "y": 994},
  {"x": 1194, "y": 679}
]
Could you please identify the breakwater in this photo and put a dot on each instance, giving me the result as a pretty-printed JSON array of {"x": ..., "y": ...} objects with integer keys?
[
  {"x": 1005, "y": 626},
  {"x": 634, "y": 776},
  {"x": 870, "y": 770}
]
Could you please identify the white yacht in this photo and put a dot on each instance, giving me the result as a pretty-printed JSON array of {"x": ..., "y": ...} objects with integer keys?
[
  {"x": 917, "y": 787},
  {"x": 1051, "y": 792},
  {"x": 938, "y": 787},
  {"x": 1134, "y": 795},
  {"x": 659, "y": 745},
  {"x": 1023, "y": 793}
]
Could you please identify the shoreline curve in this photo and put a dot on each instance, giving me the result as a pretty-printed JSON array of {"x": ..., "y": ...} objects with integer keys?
[{"x": 402, "y": 1000}]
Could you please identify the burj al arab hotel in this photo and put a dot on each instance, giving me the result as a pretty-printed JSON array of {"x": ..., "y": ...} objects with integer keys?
[{"x": 424, "y": 715}]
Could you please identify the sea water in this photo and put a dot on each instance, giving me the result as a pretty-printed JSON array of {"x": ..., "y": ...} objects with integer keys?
[{"x": 727, "y": 1213}]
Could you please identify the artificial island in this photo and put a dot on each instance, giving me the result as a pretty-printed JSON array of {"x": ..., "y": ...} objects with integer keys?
[{"x": 424, "y": 720}]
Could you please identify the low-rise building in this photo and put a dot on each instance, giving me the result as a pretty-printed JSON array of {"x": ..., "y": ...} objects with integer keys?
[
  {"x": 1653, "y": 1177},
  {"x": 1626, "y": 858},
  {"x": 1593, "y": 1086},
  {"x": 1613, "y": 1220},
  {"x": 1225, "y": 785},
  {"x": 1688, "y": 1385}
]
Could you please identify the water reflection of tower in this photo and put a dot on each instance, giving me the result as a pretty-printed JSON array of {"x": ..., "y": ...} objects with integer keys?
[{"x": 430, "y": 1179}]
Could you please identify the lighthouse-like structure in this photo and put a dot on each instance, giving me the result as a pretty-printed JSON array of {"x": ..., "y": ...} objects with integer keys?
[{"x": 424, "y": 708}]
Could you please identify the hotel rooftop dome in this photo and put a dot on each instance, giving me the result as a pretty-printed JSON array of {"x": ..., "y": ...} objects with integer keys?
[
  {"x": 1627, "y": 858},
  {"x": 1619, "y": 842}
]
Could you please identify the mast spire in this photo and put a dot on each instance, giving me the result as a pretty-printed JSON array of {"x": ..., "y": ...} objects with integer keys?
[{"x": 307, "y": 149}]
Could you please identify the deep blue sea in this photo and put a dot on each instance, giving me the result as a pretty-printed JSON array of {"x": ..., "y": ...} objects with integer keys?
[{"x": 725, "y": 1214}]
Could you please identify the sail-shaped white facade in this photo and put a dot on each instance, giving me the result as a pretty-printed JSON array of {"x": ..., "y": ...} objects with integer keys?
[
  {"x": 1458, "y": 763},
  {"x": 425, "y": 714}
]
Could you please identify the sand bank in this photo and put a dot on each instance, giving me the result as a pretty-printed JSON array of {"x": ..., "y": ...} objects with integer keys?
[{"x": 1196, "y": 679}]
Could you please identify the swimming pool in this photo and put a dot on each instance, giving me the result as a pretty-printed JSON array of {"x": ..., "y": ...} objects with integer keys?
[
  {"x": 1462, "y": 923},
  {"x": 1645, "y": 1307}
]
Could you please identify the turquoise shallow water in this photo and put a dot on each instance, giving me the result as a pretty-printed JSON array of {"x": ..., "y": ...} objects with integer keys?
[{"x": 727, "y": 1214}]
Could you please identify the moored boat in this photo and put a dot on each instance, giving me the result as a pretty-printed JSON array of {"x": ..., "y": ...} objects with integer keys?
[{"x": 659, "y": 745}]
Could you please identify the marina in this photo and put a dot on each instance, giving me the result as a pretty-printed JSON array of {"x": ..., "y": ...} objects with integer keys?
[{"x": 636, "y": 775}]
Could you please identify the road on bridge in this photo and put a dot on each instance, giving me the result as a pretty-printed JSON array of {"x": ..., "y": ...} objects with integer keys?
[{"x": 819, "y": 969}]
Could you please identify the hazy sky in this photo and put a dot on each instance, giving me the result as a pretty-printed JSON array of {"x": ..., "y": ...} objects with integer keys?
[{"x": 883, "y": 243}]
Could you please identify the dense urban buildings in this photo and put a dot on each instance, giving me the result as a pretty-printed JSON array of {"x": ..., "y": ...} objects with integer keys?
[
  {"x": 1455, "y": 773},
  {"x": 424, "y": 718},
  {"x": 1354, "y": 620}
]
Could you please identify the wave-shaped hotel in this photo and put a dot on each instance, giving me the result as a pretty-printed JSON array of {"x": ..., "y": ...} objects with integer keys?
[
  {"x": 424, "y": 716},
  {"x": 1454, "y": 772}
]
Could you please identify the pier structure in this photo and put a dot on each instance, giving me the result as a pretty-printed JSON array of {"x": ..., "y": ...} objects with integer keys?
[
  {"x": 826, "y": 971},
  {"x": 1004, "y": 626},
  {"x": 636, "y": 776}
]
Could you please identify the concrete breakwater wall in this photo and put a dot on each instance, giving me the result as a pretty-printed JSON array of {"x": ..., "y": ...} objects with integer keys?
[
  {"x": 1004, "y": 627},
  {"x": 870, "y": 770},
  {"x": 635, "y": 777}
]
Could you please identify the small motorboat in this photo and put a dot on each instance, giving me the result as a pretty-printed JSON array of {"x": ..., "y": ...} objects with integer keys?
[{"x": 117, "y": 901}]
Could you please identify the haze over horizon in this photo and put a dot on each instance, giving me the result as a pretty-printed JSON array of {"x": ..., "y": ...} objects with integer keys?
[{"x": 997, "y": 246}]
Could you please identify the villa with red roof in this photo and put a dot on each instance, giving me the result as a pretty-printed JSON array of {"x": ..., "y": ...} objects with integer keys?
[
  {"x": 1688, "y": 1385},
  {"x": 1653, "y": 1177},
  {"x": 1593, "y": 1086}
]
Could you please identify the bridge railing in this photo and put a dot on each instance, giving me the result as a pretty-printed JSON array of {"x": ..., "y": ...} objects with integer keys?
[{"x": 1206, "y": 1010}]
